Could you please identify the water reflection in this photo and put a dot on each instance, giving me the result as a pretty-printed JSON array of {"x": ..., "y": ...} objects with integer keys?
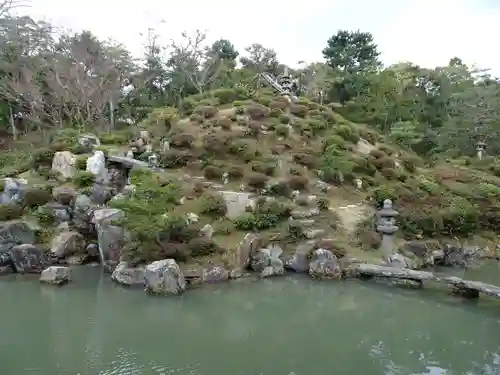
[{"x": 274, "y": 327}]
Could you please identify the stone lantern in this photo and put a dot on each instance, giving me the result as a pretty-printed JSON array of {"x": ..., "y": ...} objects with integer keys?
[{"x": 386, "y": 226}]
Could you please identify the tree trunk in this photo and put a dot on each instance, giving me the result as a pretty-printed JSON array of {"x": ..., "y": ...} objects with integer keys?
[
  {"x": 111, "y": 115},
  {"x": 12, "y": 124}
]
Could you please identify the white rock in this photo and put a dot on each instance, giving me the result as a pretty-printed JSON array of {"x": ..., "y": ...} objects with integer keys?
[
  {"x": 192, "y": 218},
  {"x": 207, "y": 231},
  {"x": 96, "y": 164}
]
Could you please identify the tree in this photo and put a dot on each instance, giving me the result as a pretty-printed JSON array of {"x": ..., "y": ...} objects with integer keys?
[
  {"x": 474, "y": 116},
  {"x": 193, "y": 63},
  {"x": 260, "y": 59},
  {"x": 223, "y": 49},
  {"x": 351, "y": 52}
]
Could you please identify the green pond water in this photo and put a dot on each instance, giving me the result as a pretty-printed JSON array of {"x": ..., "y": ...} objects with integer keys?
[{"x": 289, "y": 325}]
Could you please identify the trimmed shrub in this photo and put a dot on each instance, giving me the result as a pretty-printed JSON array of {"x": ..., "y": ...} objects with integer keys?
[
  {"x": 206, "y": 111},
  {"x": 257, "y": 111},
  {"x": 213, "y": 173},
  {"x": 299, "y": 110},
  {"x": 257, "y": 180},
  {"x": 298, "y": 183},
  {"x": 182, "y": 140},
  {"x": 213, "y": 205},
  {"x": 34, "y": 197}
]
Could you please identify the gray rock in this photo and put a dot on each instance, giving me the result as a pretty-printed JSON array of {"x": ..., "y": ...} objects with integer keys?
[
  {"x": 67, "y": 243},
  {"x": 6, "y": 270},
  {"x": 64, "y": 195},
  {"x": 82, "y": 212},
  {"x": 109, "y": 237},
  {"x": 248, "y": 245},
  {"x": 16, "y": 232},
  {"x": 89, "y": 141},
  {"x": 92, "y": 249},
  {"x": 164, "y": 277},
  {"x": 62, "y": 227},
  {"x": 130, "y": 276},
  {"x": 453, "y": 256},
  {"x": 60, "y": 212},
  {"x": 398, "y": 260},
  {"x": 193, "y": 276},
  {"x": 325, "y": 265},
  {"x": 300, "y": 260},
  {"x": 27, "y": 258},
  {"x": 13, "y": 191},
  {"x": 314, "y": 233},
  {"x": 55, "y": 275},
  {"x": 117, "y": 177},
  {"x": 76, "y": 259},
  {"x": 215, "y": 274},
  {"x": 128, "y": 163},
  {"x": 101, "y": 194}
]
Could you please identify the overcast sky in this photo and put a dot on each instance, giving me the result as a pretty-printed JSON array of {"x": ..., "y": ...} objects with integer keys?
[{"x": 426, "y": 32}]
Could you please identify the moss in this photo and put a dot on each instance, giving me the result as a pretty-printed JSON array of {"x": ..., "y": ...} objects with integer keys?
[
  {"x": 83, "y": 179},
  {"x": 10, "y": 212},
  {"x": 34, "y": 197}
]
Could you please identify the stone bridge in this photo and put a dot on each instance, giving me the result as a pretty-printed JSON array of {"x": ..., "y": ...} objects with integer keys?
[{"x": 467, "y": 288}]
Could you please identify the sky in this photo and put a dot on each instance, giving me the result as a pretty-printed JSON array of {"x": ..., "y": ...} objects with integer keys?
[{"x": 426, "y": 32}]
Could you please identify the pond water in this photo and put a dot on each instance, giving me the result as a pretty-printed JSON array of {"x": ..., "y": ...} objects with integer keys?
[{"x": 290, "y": 325}]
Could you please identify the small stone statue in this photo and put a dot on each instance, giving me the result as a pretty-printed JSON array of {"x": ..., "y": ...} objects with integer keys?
[
  {"x": 130, "y": 154},
  {"x": 165, "y": 146},
  {"x": 359, "y": 184},
  {"x": 225, "y": 178},
  {"x": 153, "y": 161}
]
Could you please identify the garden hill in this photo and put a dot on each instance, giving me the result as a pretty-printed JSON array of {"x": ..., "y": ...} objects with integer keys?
[{"x": 302, "y": 160}]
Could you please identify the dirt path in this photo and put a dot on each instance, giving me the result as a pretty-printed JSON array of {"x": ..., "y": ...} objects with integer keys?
[{"x": 352, "y": 214}]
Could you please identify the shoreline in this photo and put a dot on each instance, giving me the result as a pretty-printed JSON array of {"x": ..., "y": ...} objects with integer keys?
[{"x": 390, "y": 276}]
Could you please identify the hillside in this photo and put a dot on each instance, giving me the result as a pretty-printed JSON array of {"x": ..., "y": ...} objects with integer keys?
[{"x": 298, "y": 174}]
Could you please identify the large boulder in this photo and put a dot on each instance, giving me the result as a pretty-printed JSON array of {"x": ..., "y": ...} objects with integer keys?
[
  {"x": 248, "y": 246},
  {"x": 110, "y": 237},
  {"x": 420, "y": 252},
  {"x": 325, "y": 265},
  {"x": 96, "y": 164},
  {"x": 64, "y": 163},
  {"x": 267, "y": 261},
  {"x": 164, "y": 277},
  {"x": 13, "y": 191},
  {"x": 27, "y": 258},
  {"x": 82, "y": 213},
  {"x": 130, "y": 276},
  {"x": 55, "y": 275},
  {"x": 215, "y": 274},
  {"x": 299, "y": 262},
  {"x": 16, "y": 232},
  {"x": 237, "y": 202},
  {"x": 12, "y": 234},
  {"x": 67, "y": 243}
]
